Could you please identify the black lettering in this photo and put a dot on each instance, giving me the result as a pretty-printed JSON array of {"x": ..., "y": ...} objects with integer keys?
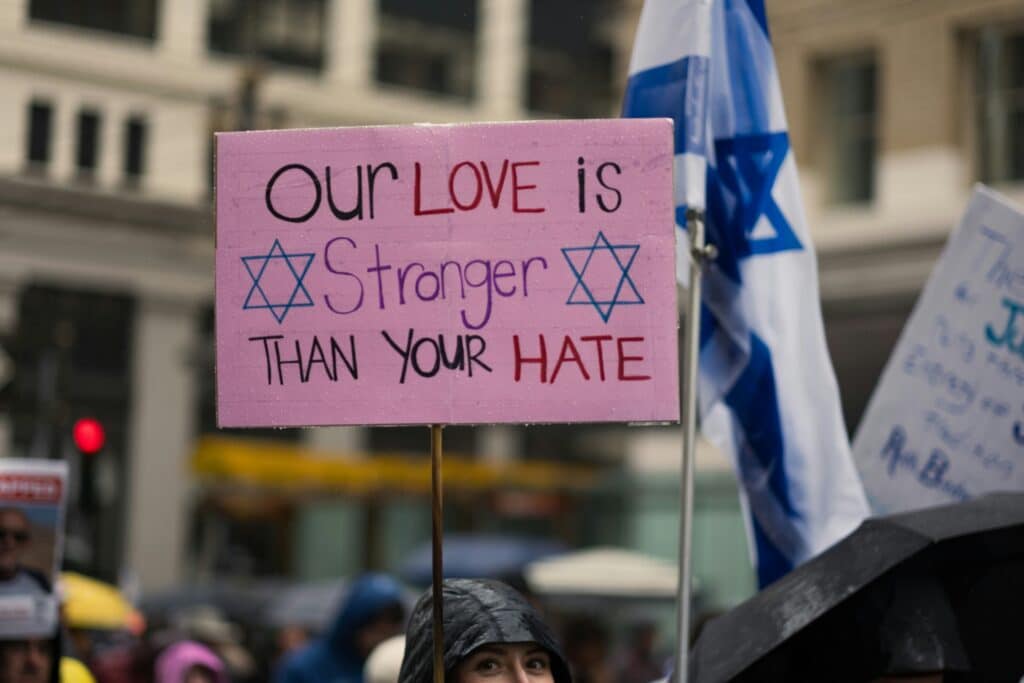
[
  {"x": 316, "y": 185},
  {"x": 290, "y": 361},
  {"x": 356, "y": 212},
  {"x": 336, "y": 353},
  {"x": 474, "y": 356},
  {"x": 372, "y": 175},
  {"x": 266, "y": 351},
  {"x": 416, "y": 362},
  {"x": 404, "y": 354},
  {"x": 581, "y": 183},
  {"x": 316, "y": 355},
  {"x": 457, "y": 361},
  {"x": 600, "y": 179}
]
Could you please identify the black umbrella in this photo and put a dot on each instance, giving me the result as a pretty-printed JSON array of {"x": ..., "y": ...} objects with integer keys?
[{"x": 940, "y": 589}]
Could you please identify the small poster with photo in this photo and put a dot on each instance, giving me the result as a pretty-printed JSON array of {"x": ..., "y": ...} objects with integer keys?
[{"x": 32, "y": 499}]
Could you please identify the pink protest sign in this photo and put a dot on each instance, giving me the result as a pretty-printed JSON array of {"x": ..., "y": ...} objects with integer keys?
[{"x": 491, "y": 273}]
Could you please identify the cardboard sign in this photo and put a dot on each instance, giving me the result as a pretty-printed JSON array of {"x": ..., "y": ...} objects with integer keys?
[
  {"x": 32, "y": 495},
  {"x": 946, "y": 422},
  {"x": 492, "y": 273}
]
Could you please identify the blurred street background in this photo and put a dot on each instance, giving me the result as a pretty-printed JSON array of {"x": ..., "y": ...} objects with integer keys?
[{"x": 106, "y": 267}]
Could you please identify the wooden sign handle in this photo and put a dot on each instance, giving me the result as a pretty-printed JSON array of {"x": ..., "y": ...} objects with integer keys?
[{"x": 436, "y": 455}]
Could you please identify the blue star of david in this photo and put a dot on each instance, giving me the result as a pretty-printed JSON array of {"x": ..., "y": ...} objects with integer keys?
[
  {"x": 299, "y": 297},
  {"x": 747, "y": 167},
  {"x": 581, "y": 294}
]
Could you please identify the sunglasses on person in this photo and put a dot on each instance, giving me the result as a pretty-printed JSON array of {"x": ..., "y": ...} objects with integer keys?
[{"x": 19, "y": 535}]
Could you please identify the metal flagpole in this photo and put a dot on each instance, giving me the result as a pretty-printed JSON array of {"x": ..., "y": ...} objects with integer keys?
[
  {"x": 437, "y": 535},
  {"x": 699, "y": 253}
]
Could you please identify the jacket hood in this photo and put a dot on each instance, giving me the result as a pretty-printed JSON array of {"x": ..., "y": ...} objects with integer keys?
[
  {"x": 368, "y": 595},
  {"x": 476, "y": 612},
  {"x": 176, "y": 660},
  {"x": 333, "y": 657}
]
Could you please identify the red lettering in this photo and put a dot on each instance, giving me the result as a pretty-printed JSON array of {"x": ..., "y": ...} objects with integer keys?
[
  {"x": 495, "y": 192},
  {"x": 567, "y": 345},
  {"x": 479, "y": 186},
  {"x": 541, "y": 360},
  {"x": 416, "y": 198},
  {"x": 516, "y": 187},
  {"x": 598, "y": 339},
  {"x": 41, "y": 488},
  {"x": 623, "y": 359}
]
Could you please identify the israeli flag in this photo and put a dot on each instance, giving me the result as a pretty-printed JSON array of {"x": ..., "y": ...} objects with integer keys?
[
  {"x": 767, "y": 392},
  {"x": 669, "y": 77}
]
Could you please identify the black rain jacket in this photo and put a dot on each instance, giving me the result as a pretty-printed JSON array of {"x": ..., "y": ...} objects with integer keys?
[{"x": 476, "y": 612}]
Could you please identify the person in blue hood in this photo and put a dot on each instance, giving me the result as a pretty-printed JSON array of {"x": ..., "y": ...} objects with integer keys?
[{"x": 371, "y": 613}]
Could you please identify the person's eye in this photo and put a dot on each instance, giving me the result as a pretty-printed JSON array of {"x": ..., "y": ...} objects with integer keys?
[
  {"x": 487, "y": 665},
  {"x": 538, "y": 663}
]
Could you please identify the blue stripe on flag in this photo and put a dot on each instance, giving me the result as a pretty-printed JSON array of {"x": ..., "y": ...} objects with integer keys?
[
  {"x": 753, "y": 401},
  {"x": 675, "y": 90},
  {"x": 708, "y": 325},
  {"x": 771, "y": 563},
  {"x": 755, "y": 404},
  {"x": 757, "y": 9},
  {"x": 681, "y": 216},
  {"x": 732, "y": 246}
]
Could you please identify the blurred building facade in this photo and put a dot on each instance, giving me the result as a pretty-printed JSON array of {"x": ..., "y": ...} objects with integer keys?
[
  {"x": 106, "y": 263},
  {"x": 896, "y": 110}
]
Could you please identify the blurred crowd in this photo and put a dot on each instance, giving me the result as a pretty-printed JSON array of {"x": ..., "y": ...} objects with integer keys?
[{"x": 103, "y": 638}]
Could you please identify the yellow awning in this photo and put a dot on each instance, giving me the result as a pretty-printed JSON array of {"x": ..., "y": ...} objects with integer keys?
[{"x": 279, "y": 466}]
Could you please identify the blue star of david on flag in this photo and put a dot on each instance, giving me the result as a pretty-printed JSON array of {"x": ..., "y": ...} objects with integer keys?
[
  {"x": 747, "y": 168},
  {"x": 580, "y": 259},
  {"x": 298, "y": 297}
]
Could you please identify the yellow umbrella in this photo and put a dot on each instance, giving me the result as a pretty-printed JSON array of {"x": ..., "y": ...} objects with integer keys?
[
  {"x": 92, "y": 604},
  {"x": 73, "y": 671}
]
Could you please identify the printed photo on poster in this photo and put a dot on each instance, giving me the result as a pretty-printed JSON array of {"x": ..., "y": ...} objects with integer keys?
[{"x": 32, "y": 494}]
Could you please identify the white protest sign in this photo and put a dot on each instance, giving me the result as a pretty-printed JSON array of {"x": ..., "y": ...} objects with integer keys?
[
  {"x": 32, "y": 495},
  {"x": 946, "y": 422}
]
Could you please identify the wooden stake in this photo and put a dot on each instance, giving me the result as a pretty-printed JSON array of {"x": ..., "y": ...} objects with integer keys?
[{"x": 436, "y": 454}]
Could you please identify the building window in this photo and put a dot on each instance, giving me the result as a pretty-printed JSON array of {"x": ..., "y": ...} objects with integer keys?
[
  {"x": 428, "y": 46},
  {"x": 136, "y": 18},
  {"x": 289, "y": 32},
  {"x": 849, "y": 137},
  {"x": 570, "y": 59},
  {"x": 86, "y": 154},
  {"x": 134, "y": 150},
  {"x": 999, "y": 112},
  {"x": 40, "y": 132}
]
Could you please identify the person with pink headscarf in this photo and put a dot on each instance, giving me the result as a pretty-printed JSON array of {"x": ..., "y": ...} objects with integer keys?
[{"x": 189, "y": 662}]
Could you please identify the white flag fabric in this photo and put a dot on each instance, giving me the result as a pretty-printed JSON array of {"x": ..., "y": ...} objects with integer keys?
[
  {"x": 767, "y": 391},
  {"x": 668, "y": 77}
]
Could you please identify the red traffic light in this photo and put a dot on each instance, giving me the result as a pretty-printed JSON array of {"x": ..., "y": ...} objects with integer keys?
[{"x": 88, "y": 435}]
